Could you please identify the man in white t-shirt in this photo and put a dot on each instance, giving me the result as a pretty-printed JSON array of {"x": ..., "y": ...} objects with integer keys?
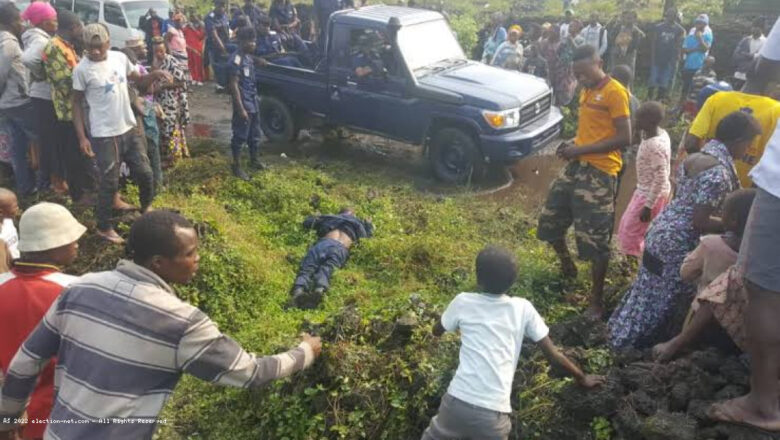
[
  {"x": 758, "y": 258},
  {"x": 492, "y": 327},
  {"x": 101, "y": 79}
]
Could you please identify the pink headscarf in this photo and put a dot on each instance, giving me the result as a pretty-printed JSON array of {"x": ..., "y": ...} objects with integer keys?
[{"x": 39, "y": 12}]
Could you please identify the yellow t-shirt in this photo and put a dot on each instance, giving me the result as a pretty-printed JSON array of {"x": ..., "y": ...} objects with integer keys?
[
  {"x": 718, "y": 106},
  {"x": 598, "y": 107}
]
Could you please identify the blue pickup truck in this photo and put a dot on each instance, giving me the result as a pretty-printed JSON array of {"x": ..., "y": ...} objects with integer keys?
[{"x": 400, "y": 73}]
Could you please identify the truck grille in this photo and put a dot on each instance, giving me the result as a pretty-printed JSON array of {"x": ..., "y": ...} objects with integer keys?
[{"x": 535, "y": 109}]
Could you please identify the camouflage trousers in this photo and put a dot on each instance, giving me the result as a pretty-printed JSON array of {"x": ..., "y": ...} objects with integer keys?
[{"x": 585, "y": 197}]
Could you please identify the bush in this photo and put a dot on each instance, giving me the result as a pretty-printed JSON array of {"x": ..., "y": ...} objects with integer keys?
[{"x": 466, "y": 29}]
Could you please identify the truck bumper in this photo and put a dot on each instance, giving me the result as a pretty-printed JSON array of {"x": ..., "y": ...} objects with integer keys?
[{"x": 514, "y": 145}]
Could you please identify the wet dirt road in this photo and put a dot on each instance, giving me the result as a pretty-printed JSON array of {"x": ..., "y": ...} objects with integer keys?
[{"x": 211, "y": 113}]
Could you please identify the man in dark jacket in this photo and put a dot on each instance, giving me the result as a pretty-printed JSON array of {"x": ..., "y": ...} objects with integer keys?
[
  {"x": 337, "y": 233},
  {"x": 152, "y": 25}
]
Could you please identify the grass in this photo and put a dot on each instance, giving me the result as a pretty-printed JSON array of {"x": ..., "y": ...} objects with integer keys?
[{"x": 367, "y": 385}]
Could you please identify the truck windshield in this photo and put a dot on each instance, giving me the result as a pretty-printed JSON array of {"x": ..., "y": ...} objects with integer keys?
[
  {"x": 426, "y": 44},
  {"x": 135, "y": 10}
]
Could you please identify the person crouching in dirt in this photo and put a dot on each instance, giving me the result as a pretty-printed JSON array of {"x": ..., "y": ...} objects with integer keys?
[
  {"x": 337, "y": 233},
  {"x": 492, "y": 327}
]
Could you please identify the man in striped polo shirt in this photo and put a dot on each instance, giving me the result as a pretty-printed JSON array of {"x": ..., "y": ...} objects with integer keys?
[{"x": 123, "y": 339}]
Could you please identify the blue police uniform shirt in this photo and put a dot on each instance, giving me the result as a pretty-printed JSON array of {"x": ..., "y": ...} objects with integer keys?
[
  {"x": 243, "y": 67},
  {"x": 254, "y": 13},
  {"x": 360, "y": 60},
  {"x": 268, "y": 44},
  {"x": 219, "y": 23},
  {"x": 284, "y": 13}
]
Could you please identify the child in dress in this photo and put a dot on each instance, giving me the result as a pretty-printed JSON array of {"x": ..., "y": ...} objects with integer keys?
[
  {"x": 653, "y": 185},
  {"x": 712, "y": 258}
]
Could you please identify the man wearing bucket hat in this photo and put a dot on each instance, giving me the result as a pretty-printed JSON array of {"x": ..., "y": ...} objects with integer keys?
[{"x": 48, "y": 241}]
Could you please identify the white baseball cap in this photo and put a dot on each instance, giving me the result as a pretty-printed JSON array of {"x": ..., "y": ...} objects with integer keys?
[{"x": 48, "y": 226}]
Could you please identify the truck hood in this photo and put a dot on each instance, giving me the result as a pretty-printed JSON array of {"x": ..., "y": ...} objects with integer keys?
[{"x": 486, "y": 86}]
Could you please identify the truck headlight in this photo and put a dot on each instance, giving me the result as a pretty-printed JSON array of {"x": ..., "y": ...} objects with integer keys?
[{"x": 502, "y": 119}]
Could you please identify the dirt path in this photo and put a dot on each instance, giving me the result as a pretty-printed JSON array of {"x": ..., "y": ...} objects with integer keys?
[{"x": 211, "y": 115}]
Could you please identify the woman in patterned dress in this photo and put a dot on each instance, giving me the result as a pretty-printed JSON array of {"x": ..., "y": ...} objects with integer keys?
[
  {"x": 172, "y": 98},
  {"x": 703, "y": 182}
]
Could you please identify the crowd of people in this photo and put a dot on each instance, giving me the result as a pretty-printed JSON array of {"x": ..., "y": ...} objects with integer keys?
[
  {"x": 545, "y": 51},
  {"x": 702, "y": 224}
]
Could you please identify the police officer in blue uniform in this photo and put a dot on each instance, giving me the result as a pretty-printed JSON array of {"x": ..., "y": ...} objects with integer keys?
[
  {"x": 270, "y": 46},
  {"x": 368, "y": 61},
  {"x": 243, "y": 88},
  {"x": 218, "y": 41}
]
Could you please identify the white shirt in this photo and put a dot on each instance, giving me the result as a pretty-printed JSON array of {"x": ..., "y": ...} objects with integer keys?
[
  {"x": 564, "y": 30},
  {"x": 11, "y": 238},
  {"x": 766, "y": 175},
  {"x": 771, "y": 47},
  {"x": 756, "y": 44},
  {"x": 492, "y": 328},
  {"x": 594, "y": 36},
  {"x": 105, "y": 88}
]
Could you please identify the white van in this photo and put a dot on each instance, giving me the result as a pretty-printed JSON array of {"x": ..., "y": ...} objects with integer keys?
[{"x": 120, "y": 16}]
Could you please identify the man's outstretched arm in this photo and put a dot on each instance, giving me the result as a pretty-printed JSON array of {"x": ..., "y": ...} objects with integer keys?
[{"x": 208, "y": 354}]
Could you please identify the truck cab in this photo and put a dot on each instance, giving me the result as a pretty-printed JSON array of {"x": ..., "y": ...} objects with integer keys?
[{"x": 400, "y": 73}]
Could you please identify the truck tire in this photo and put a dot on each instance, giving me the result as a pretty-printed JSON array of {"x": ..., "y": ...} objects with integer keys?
[
  {"x": 277, "y": 120},
  {"x": 455, "y": 156}
]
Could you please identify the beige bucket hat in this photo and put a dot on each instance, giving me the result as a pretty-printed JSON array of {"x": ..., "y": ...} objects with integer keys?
[{"x": 48, "y": 226}]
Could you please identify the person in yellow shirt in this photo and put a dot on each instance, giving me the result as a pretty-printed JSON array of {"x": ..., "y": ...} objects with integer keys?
[
  {"x": 758, "y": 98},
  {"x": 584, "y": 192}
]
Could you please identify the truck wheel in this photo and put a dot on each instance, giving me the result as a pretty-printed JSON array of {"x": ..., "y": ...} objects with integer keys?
[
  {"x": 277, "y": 120},
  {"x": 455, "y": 156}
]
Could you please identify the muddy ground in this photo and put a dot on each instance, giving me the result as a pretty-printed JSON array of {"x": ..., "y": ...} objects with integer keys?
[{"x": 642, "y": 400}]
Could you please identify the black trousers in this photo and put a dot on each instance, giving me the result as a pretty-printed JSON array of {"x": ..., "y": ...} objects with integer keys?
[
  {"x": 110, "y": 152},
  {"x": 50, "y": 145},
  {"x": 80, "y": 172}
]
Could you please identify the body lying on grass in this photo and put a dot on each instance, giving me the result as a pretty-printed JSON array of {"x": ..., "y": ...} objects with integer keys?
[
  {"x": 492, "y": 326},
  {"x": 337, "y": 233}
]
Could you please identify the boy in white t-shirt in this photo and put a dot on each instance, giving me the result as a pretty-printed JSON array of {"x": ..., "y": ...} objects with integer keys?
[
  {"x": 101, "y": 79},
  {"x": 9, "y": 210},
  {"x": 492, "y": 327}
]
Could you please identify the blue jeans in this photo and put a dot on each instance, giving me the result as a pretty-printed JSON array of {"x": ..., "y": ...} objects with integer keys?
[
  {"x": 319, "y": 263},
  {"x": 245, "y": 132},
  {"x": 21, "y": 122},
  {"x": 661, "y": 75}
]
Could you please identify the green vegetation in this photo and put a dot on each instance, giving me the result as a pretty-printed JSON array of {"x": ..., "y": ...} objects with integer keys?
[{"x": 382, "y": 372}]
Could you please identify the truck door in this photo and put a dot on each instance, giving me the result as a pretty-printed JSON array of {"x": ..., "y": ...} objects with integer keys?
[{"x": 367, "y": 86}]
